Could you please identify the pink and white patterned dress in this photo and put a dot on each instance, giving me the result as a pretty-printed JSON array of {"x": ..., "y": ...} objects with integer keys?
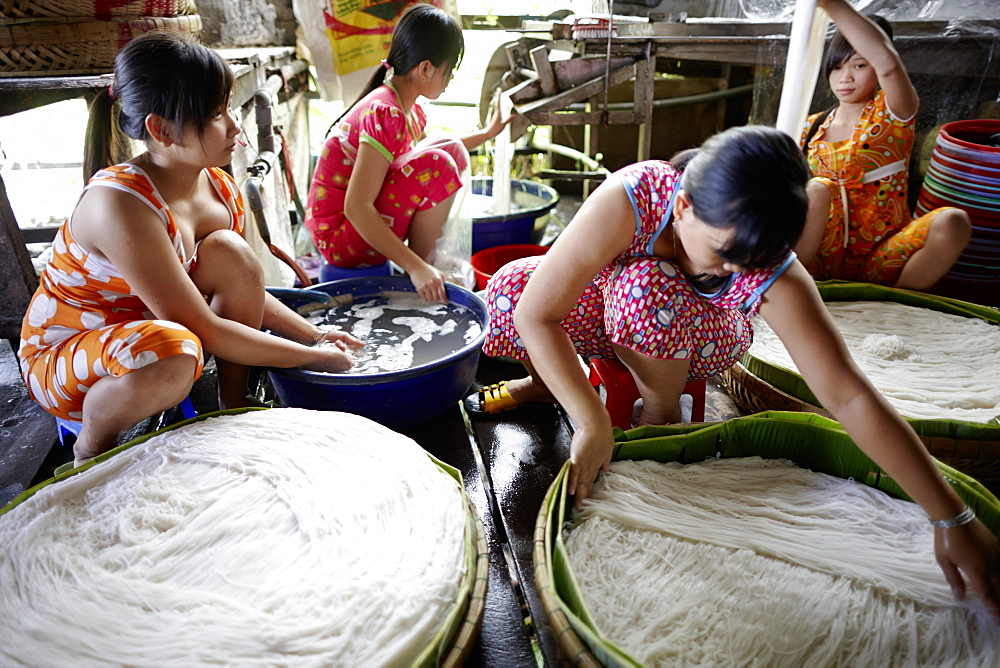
[{"x": 640, "y": 301}]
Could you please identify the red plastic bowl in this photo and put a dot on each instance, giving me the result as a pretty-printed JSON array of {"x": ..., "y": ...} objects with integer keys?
[
  {"x": 487, "y": 261},
  {"x": 971, "y": 134},
  {"x": 957, "y": 164}
]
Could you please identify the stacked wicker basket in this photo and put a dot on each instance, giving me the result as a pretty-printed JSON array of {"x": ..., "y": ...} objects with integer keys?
[{"x": 57, "y": 37}]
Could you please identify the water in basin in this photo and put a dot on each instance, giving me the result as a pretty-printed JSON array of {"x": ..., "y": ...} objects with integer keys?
[{"x": 401, "y": 330}]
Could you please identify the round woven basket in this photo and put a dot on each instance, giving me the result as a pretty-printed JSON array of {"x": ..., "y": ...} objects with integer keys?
[
  {"x": 810, "y": 440},
  {"x": 756, "y": 385},
  {"x": 457, "y": 633},
  {"x": 78, "y": 46},
  {"x": 94, "y": 9}
]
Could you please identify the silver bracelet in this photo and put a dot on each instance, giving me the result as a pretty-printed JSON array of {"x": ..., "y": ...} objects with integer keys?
[{"x": 959, "y": 520}]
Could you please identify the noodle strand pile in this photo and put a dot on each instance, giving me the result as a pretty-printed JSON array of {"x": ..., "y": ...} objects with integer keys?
[
  {"x": 283, "y": 536},
  {"x": 753, "y": 561}
]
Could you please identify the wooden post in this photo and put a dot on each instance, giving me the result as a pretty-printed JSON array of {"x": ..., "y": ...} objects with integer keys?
[{"x": 20, "y": 279}]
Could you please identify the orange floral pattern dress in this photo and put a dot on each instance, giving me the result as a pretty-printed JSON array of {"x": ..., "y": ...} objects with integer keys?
[
  {"x": 85, "y": 323},
  {"x": 870, "y": 233}
]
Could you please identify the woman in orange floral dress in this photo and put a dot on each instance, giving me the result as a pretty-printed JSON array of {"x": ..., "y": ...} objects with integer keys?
[
  {"x": 151, "y": 272},
  {"x": 859, "y": 226}
]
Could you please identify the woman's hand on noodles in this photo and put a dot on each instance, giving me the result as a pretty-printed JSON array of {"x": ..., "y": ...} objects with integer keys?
[
  {"x": 336, "y": 336},
  {"x": 496, "y": 120},
  {"x": 331, "y": 357},
  {"x": 589, "y": 454},
  {"x": 970, "y": 554}
]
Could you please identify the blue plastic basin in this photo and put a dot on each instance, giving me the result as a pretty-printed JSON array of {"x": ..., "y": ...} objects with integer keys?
[
  {"x": 534, "y": 199},
  {"x": 396, "y": 399}
]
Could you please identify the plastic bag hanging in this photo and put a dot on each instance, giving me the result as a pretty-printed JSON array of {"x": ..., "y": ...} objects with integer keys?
[{"x": 452, "y": 253}]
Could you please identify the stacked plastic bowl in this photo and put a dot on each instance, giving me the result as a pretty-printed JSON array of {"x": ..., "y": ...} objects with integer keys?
[{"x": 964, "y": 172}]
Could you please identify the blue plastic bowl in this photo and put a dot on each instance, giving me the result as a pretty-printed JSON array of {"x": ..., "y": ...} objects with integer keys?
[
  {"x": 396, "y": 399},
  {"x": 329, "y": 272},
  {"x": 535, "y": 200}
]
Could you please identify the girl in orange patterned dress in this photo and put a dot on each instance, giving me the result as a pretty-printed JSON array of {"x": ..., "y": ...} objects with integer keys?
[
  {"x": 151, "y": 271},
  {"x": 859, "y": 225}
]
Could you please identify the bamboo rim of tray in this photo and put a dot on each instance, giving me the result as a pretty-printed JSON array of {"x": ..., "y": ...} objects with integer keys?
[
  {"x": 970, "y": 447},
  {"x": 46, "y": 47},
  {"x": 830, "y": 451},
  {"x": 758, "y": 385},
  {"x": 455, "y": 636},
  {"x": 34, "y": 9}
]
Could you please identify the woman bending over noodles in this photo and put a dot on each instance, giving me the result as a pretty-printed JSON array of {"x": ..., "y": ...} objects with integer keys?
[{"x": 663, "y": 267}]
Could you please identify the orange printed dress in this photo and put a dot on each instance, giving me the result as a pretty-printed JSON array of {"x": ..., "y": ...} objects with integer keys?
[
  {"x": 84, "y": 322},
  {"x": 870, "y": 233}
]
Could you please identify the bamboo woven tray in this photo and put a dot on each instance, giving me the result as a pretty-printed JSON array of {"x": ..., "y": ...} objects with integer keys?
[
  {"x": 756, "y": 385},
  {"x": 457, "y": 633},
  {"x": 770, "y": 435},
  {"x": 95, "y": 9},
  {"x": 75, "y": 46}
]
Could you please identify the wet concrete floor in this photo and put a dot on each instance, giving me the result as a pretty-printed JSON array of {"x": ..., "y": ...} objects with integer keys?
[{"x": 507, "y": 462}]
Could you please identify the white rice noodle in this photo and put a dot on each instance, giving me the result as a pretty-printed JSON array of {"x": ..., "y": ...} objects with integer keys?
[
  {"x": 759, "y": 562},
  {"x": 279, "y": 537},
  {"x": 926, "y": 363}
]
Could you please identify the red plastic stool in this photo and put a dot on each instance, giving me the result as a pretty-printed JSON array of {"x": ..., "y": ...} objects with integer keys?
[{"x": 622, "y": 393}]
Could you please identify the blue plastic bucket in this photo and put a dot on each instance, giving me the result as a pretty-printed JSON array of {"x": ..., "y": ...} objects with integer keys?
[
  {"x": 329, "y": 272},
  {"x": 534, "y": 200},
  {"x": 396, "y": 399}
]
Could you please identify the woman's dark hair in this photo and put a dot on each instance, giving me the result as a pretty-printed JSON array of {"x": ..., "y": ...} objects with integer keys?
[
  {"x": 840, "y": 49},
  {"x": 157, "y": 73},
  {"x": 751, "y": 178},
  {"x": 423, "y": 32}
]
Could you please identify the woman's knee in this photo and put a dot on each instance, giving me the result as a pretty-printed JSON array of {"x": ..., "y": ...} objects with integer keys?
[
  {"x": 226, "y": 260},
  {"x": 953, "y": 227},
  {"x": 175, "y": 374},
  {"x": 164, "y": 383},
  {"x": 451, "y": 149},
  {"x": 446, "y": 156}
]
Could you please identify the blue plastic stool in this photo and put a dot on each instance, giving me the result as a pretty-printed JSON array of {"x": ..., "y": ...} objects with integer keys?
[
  {"x": 329, "y": 272},
  {"x": 71, "y": 427}
]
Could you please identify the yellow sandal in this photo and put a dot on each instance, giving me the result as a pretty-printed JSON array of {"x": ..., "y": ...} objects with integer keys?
[{"x": 491, "y": 399}]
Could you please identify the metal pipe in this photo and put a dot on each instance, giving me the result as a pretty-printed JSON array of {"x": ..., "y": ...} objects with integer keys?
[
  {"x": 256, "y": 203},
  {"x": 573, "y": 154},
  {"x": 677, "y": 101},
  {"x": 262, "y": 113},
  {"x": 267, "y": 146}
]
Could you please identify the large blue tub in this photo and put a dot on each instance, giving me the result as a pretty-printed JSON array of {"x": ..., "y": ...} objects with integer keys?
[
  {"x": 396, "y": 399},
  {"x": 534, "y": 199}
]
